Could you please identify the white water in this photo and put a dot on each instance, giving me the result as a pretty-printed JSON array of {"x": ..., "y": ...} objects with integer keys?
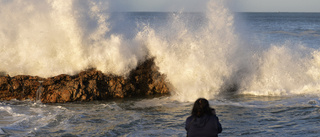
[
  {"x": 48, "y": 38},
  {"x": 195, "y": 62}
]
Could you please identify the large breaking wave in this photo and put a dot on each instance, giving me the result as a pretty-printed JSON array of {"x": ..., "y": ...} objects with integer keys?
[{"x": 53, "y": 37}]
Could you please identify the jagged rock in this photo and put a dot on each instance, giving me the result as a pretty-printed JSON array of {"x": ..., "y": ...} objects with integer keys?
[
  {"x": 86, "y": 86},
  {"x": 19, "y": 87}
]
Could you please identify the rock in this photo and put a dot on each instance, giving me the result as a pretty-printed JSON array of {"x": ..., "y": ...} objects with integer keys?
[
  {"x": 18, "y": 87},
  {"x": 88, "y": 85}
]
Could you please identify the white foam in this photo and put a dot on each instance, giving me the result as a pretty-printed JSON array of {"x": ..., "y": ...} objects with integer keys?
[
  {"x": 286, "y": 69},
  {"x": 53, "y": 37},
  {"x": 195, "y": 62},
  {"x": 10, "y": 111}
]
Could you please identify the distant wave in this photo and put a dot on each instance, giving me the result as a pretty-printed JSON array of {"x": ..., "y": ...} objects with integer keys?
[{"x": 303, "y": 33}]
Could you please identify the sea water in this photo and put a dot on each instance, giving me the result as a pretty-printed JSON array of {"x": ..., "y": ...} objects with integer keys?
[
  {"x": 239, "y": 116},
  {"x": 260, "y": 71}
]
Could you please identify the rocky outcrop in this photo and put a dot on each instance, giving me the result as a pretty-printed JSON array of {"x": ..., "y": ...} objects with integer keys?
[
  {"x": 19, "y": 87},
  {"x": 88, "y": 85}
]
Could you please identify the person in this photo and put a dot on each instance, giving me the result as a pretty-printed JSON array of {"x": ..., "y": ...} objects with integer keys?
[{"x": 203, "y": 121}]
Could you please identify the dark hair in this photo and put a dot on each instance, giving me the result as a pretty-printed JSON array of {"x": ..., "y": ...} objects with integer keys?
[{"x": 201, "y": 107}]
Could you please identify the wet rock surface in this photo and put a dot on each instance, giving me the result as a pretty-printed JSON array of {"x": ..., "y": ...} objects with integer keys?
[{"x": 88, "y": 85}]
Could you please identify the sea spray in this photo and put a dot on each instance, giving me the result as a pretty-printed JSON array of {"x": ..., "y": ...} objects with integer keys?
[
  {"x": 215, "y": 59},
  {"x": 285, "y": 69},
  {"x": 196, "y": 62},
  {"x": 48, "y": 38},
  {"x": 270, "y": 70}
]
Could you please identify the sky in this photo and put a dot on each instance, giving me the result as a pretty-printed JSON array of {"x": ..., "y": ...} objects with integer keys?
[{"x": 200, "y": 5}]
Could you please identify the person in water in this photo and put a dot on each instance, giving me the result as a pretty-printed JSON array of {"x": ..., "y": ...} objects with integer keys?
[{"x": 203, "y": 121}]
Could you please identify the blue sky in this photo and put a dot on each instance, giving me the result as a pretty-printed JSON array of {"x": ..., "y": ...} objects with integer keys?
[{"x": 200, "y": 5}]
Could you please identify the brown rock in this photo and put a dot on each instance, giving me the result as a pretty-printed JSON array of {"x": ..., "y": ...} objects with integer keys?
[{"x": 86, "y": 86}]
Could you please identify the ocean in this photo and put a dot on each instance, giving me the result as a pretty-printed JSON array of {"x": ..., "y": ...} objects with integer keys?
[{"x": 260, "y": 71}]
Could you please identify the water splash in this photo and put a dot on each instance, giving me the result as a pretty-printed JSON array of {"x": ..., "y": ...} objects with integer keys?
[
  {"x": 39, "y": 92},
  {"x": 200, "y": 59},
  {"x": 196, "y": 62},
  {"x": 52, "y": 37}
]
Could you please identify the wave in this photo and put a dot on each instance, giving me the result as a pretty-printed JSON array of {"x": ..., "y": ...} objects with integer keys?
[
  {"x": 48, "y": 38},
  {"x": 53, "y": 37}
]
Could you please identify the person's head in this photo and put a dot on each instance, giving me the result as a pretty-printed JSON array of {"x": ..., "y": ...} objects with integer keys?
[{"x": 201, "y": 107}]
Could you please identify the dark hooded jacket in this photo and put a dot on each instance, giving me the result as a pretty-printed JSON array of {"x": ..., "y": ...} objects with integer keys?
[{"x": 204, "y": 126}]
